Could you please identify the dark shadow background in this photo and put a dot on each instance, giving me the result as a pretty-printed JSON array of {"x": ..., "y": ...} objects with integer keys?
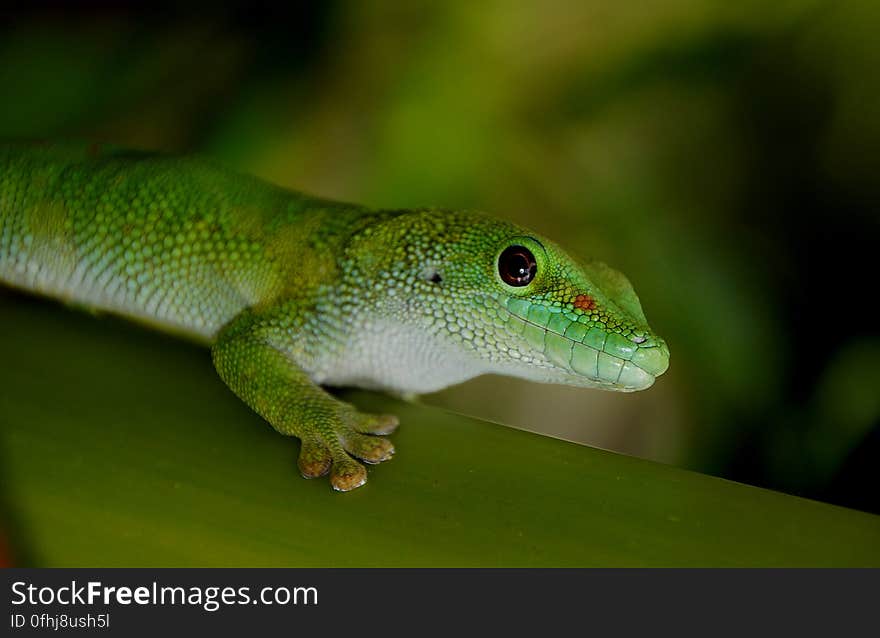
[{"x": 724, "y": 157}]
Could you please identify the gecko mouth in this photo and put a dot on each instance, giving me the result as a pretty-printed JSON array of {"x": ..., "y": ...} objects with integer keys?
[{"x": 585, "y": 353}]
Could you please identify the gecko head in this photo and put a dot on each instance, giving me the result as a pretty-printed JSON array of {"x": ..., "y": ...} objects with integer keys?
[{"x": 516, "y": 303}]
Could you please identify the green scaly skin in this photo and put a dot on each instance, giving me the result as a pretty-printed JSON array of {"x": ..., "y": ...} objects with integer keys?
[{"x": 293, "y": 292}]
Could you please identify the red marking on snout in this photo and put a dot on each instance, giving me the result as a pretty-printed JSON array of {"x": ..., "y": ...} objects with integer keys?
[{"x": 584, "y": 302}]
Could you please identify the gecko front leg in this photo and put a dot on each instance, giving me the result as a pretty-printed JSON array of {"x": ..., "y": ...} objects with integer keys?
[{"x": 251, "y": 358}]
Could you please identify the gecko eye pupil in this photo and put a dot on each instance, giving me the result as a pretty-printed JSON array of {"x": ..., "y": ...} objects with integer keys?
[{"x": 517, "y": 266}]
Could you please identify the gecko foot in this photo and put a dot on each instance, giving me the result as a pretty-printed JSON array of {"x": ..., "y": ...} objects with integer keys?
[{"x": 331, "y": 450}]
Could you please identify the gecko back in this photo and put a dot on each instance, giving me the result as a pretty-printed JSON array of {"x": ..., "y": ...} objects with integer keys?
[{"x": 174, "y": 241}]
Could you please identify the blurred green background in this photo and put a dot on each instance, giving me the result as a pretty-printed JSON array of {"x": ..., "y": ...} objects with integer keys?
[{"x": 723, "y": 155}]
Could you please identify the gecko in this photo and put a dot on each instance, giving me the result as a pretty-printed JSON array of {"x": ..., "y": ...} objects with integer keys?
[{"x": 294, "y": 294}]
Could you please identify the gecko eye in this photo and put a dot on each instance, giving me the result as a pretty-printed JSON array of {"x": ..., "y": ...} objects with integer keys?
[{"x": 517, "y": 266}]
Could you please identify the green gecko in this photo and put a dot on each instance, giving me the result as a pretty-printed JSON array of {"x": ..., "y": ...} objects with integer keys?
[{"x": 292, "y": 292}]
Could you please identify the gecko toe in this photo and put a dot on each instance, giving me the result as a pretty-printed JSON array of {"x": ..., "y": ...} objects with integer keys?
[
  {"x": 347, "y": 474},
  {"x": 374, "y": 423},
  {"x": 314, "y": 459},
  {"x": 370, "y": 449}
]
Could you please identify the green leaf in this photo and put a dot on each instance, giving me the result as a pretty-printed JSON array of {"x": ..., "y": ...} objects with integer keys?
[{"x": 122, "y": 447}]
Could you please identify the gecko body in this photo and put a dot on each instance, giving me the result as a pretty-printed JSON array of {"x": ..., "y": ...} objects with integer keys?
[{"x": 293, "y": 292}]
